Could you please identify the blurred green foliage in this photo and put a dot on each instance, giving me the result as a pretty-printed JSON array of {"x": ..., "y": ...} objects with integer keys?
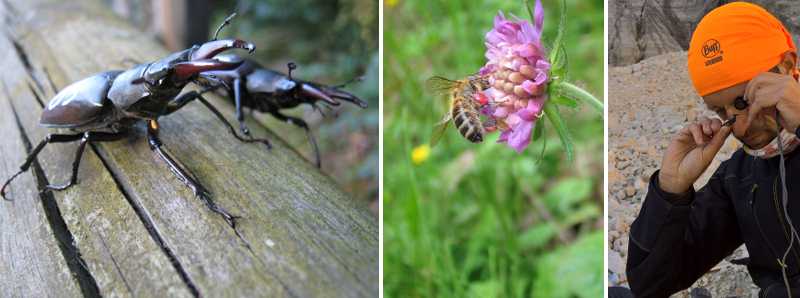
[
  {"x": 331, "y": 42},
  {"x": 481, "y": 220}
]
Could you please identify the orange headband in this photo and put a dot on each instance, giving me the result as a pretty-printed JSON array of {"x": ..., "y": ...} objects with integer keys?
[{"x": 732, "y": 44}]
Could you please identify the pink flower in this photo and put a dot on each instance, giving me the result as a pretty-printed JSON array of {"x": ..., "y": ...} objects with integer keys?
[{"x": 517, "y": 72}]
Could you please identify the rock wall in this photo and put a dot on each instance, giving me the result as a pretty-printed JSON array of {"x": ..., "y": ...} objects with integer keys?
[{"x": 638, "y": 29}]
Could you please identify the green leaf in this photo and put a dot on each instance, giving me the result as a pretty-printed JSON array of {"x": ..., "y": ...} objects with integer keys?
[
  {"x": 558, "y": 54},
  {"x": 572, "y": 271},
  {"x": 537, "y": 236},
  {"x": 567, "y": 194},
  {"x": 564, "y": 101},
  {"x": 538, "y": 130},
  {"x": 561, "y": 128},
  {"x": 489, "y": 288},
  {"x": 563, "y": 89},
  {"x": 528, "y": 5},
  {"x": 582, "y": 214},
  {"x": 558, "y": 63}
]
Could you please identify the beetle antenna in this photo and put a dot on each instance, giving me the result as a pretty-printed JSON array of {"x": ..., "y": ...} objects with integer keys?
[
  {"x": 225, "y": 23},
  {"x": 291, "y": 67},
  {"x": 316, "y": 107},
  {"x": 353, "y": 80}
]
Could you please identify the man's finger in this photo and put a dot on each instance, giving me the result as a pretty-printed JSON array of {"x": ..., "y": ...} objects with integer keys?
[
  {"x": 716, "y": 124},
  {"x": 710, "y": 150},
  {"x": 758, "y": 102},
  {"x": 706, "y": 124},
  {"x": 697, "y": 133}
]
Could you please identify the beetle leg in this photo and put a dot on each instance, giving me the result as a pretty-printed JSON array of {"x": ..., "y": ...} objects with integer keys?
[
  {"x": 87, "y": 137},
  {"x": 191, "y": 95},
  {"x": 183, "y": 175},
  {"x": 302, "y": 124},
  {"x": 75, "y": 165},
  {"x": 180, "y": 101},
  {"x": 52, "y": 138},
  {"x": 228, "y": 124},
  {"x": 237, "y": 95}
]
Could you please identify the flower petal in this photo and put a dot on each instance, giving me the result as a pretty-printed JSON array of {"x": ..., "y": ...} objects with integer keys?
[
  {"x": 504, "y": 136},
  {"x": 520, "y": 136},
  {"x": 542, "y": 64},
  {"x": 538, "y": 16},
  {"x": 541, "y": 77}
]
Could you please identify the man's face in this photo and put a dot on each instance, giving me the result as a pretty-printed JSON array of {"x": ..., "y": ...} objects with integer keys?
[{"x": 761, "y": 131}]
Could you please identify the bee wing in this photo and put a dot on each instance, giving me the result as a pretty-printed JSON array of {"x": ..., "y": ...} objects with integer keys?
[
  {"x": 440, "y": 85},
  {"x": 439, "y": 129}
]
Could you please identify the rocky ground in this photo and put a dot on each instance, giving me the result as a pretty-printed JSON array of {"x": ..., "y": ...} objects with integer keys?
[{"x": 648, "y": 103}]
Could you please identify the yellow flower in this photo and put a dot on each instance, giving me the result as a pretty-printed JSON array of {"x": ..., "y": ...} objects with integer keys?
[
  {"x": 392, "y": 3},
  {"x": 420, "y": 154}
]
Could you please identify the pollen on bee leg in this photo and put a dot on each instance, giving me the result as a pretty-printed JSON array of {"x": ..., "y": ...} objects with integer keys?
[{"x": 482, "y": 98}]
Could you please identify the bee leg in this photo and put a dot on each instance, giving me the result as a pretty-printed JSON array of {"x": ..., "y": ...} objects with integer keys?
[
  {"x": 302, "y": 124},
  {"x": 184, "y": 176}
]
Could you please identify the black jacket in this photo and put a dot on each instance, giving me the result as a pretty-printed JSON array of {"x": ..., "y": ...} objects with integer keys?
[{"x": 677, "y": 239}]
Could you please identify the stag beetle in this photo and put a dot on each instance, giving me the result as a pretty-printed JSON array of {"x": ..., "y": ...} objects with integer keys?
[
  {"x": 253, "y": 86},
  {"x": 250, "y": 85},
  {"x": 105, "y": 106}
]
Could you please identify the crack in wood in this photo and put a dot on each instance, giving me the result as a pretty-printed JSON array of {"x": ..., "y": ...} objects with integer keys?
[
  {"x": 64, "y": 238},
  {"x": 147, "y": 221}
]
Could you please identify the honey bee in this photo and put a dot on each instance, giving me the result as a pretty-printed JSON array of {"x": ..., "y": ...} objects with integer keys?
[{"x": 465, "y": 102}]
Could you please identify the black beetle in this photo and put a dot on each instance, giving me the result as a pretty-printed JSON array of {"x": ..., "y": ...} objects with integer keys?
[
  {"x": 103, "y": 107},
  {"x": 268, "y": 91}
]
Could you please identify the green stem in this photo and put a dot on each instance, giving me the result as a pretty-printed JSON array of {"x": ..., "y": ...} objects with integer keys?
[
  {"x": 551, "y": 112},
  {"x": 571, "y": 91}
]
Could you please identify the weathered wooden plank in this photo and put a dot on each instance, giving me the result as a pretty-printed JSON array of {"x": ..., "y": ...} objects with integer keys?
[
  {"x": 300, "y": 235},
  {"x": 28, "y": 247}
]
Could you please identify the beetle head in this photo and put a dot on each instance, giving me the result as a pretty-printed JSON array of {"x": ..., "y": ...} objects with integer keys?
[{"x": 179, "y": 68}]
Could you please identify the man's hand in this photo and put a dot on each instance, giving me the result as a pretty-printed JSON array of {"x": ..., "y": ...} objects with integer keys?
[
  {"x": 689, "y": 154},
  {"x": 771, "y": 89}
]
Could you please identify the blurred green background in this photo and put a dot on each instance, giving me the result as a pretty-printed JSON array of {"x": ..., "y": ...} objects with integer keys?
[{"x": 481, "y": 220}]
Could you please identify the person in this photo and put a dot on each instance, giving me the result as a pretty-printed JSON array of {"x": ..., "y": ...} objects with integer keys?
[{"x": 742, "y": 62}]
